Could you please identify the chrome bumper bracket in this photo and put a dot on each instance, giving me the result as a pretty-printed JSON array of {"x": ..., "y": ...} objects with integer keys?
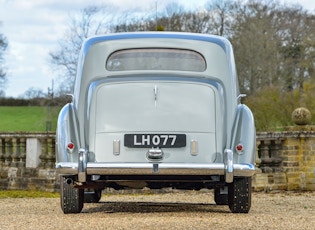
[
  {"x": 82, "y": 171},
  {"x": 228, "y": 166}
]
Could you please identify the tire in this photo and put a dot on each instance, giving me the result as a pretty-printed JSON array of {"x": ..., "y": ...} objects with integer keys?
[
  {"x": 71, "y": 198},
  {"x": 92, "y": 196},
  {"x": 240, "y": 194},
  {"x": 220, "y": 198}
]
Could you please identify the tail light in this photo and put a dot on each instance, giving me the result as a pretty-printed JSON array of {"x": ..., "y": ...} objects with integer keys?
[
  {"x": 239, "y": 148},
  {"x": 70, "y": 147}
]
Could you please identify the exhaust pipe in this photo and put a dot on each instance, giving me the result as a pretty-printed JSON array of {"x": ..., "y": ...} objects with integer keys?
[{"x": 69, "y": 181}]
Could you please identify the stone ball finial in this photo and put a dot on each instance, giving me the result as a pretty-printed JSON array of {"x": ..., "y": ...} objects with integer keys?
[{"x": 301, "y": 116}]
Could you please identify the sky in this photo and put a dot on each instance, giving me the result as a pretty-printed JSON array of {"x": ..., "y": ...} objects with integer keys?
[{"x": 34, "y": 27}]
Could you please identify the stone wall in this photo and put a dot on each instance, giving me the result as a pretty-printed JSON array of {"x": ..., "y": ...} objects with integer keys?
[
  {"x": 284, "y": 161},
  {"x": 27, "y": 161}
]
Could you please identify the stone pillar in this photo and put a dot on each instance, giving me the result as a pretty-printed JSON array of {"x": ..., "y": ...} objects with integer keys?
[
  {"x": 33, "y": 151},
  {"x": 51, "y": 159},
  {"x": 291, "y": 164},
  {"x": 265, "y": 157},
  {"x": 2, "y": 152},
  {"x": 16, "y": 152},
  {"x": 23, "y": 152},
  {"x": 9, "y": 151},
  {"x": 276, "y": 158},
  {"x": 44, "y": 153}
]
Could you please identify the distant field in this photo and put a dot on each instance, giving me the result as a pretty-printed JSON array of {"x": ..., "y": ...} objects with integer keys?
[{"x": 27, "y": 118}]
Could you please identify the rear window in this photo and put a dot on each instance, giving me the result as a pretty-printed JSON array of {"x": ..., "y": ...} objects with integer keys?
[{"x": 156, "y": 59}]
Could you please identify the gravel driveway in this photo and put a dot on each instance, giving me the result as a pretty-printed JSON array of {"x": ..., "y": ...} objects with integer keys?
[{"x": 179, "y": 210}]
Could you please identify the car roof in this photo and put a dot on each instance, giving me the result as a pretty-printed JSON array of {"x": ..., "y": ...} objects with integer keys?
[{"x": 221, "y": 41}]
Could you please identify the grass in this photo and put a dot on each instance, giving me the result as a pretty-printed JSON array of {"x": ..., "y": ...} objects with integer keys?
[
  {"x": 27, "y": 194},
  {"x": 27, "y": 118}
]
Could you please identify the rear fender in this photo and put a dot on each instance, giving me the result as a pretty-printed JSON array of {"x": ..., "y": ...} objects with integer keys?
[
  {"x": 244, "y": 133},
  {"x": 67, "y": 131}
]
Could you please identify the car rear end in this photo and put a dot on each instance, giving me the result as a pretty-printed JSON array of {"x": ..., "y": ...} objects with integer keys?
[
  {"x": 150, "y": 126},
  {"x": 155, "y": 111}
]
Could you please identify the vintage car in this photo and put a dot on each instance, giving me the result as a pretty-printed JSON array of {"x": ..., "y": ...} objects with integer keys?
[{"x": 156, "y": 110}]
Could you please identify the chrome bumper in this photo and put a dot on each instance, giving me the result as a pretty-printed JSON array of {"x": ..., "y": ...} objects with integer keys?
[
  {"x": 84, "y": 168},
  {"x": 244, "y": 170}
]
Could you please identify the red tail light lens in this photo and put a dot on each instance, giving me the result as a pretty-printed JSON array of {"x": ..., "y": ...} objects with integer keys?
[
  {"x": 70, "y": 146},
  {"x": 239, "y": 148}
]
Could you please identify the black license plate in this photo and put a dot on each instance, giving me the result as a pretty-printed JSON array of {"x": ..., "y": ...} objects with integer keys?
[{"x": 155, "y": 140}]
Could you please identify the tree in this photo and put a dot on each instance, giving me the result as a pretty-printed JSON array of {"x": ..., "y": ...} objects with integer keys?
[
  {"x": 297, "y": 48},
  {"x": 3, "y": 47},
  {"x": 33, "y": 93},
  {"x": 91, "y": 21},
  {"x": 173, "y": 17},
  {"x": 256, "y": 45},
  {"x": 196, "y": 22},
  {"x": 220, "y": 17},
  {"x": 273, "y": 44}
]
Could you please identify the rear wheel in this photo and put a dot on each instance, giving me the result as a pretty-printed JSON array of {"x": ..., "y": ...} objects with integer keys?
[
  {"x": 71, "y": 198},
  {"x": 239, "y": 195},
  {"x": 92, "y": 195},
  {"x": 221, "y": 196}
]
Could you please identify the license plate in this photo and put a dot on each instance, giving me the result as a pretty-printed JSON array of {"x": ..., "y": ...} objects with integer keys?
[{"x": 155, "y": 140}]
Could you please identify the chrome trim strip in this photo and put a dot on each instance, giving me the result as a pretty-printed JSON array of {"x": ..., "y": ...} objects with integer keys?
[{"x": 245, "y": 170}]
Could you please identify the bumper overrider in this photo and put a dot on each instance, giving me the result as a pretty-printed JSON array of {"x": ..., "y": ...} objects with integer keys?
[{"x": 84, "y": 168}]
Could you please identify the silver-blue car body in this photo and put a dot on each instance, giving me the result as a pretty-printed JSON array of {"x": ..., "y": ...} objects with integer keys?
[{"x": 156, "y": 109}]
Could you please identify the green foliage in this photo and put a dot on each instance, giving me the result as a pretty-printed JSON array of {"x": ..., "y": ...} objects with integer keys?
[
  {"x": 269, "y": 108},
  {"x": 160, "y": 28},
  {"x": 26, "y": 194},
  {"x": 27, "y": 118},
  {"x": 57, "y": 101},
  {"x": 272, "y": 107}
]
